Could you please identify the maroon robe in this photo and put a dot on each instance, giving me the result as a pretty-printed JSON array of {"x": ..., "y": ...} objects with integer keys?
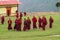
[
  {"x": 50, "y": 22},
  {"x": 19, "y": 25},
  {"x": 25, "y": 25},
  {"x": 24, "y": 13},
  {"x": 29, "y": 22},
  {"x": 15, "y": 26},
  {"x": 21, "y": 15},
  {"x": 17, "y": 15},
  {"x": 44, "y": 22},
  {"x": 39, "y": 21},
  {"x": 34, "y": 20},
  {"x": 8, "y": 12},
  {"x": 2, "y": 20},
  {"x": 9, "y": 24}
]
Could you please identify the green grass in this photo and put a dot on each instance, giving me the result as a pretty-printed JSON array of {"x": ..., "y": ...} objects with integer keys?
[{"x": 37, "y": 34}]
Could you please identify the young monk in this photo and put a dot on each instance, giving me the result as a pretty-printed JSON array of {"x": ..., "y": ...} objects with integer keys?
[
  {"x": 34, "y": 20},
  {"x": 17, "y": 15},
  {"x": 21, "y": 14},
  {"x": 19, "y": 24},
  {"x": 16, "y": 23},
  {"x": 24, "y": 13},
  {"x": 25, "y": 25},
  {"x": 8, "y": 12},
  {"x": 39, "y": 21},
  {"x": 2, "y": 19},
  {"x": 44, "y": 22},
  {"x": 9, "y": 24},
  {"x": 51, "y": 22},
  {"x": 29, "y": 23}
]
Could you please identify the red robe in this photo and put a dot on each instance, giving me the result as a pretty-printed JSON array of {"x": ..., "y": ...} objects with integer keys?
[
  {"x": 17, "y": 15},
  {"x": 39, "y": 21},
  {"x": 25, "y": 25},
  {"x": 9, "y": 24},
  {"x": 15, "y": 24},
  {"x": 50, "y": 22},
  {"x": 29, "y": 22},
  {"x": 2, "y": 20},
  {"x": 24, "y": 13},
  {"x": 19, "y": 25},
  {"x": 34, "y": 20},
  {"x": 44, "y": 23},
  {"x": 21, "y": 15},
  {"x": 8, "y": 12}
]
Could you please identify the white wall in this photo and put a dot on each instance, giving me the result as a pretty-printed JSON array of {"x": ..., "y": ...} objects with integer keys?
[
  {"x": 13, "y": 10},
  {"x": 2, "y": 10}
]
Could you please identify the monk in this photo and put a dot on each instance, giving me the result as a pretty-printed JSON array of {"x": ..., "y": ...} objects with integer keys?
[
  {"x": 25, "y": 25},
  {"x": 9, "y": 24},
  {"x": 17, "y": 15},
  {"x": 19, "y": 23},
  {"x": 24, "y": 13},
  {"x": 50, "y": 22},
  {"x": 34, "y": 20},
  {"x": 16, "y": 21},
  {"x": 44, "y": 22},
  {"x": 2, "y": 19},
  {"x": 39, "y": 21},
  {"x": 29, "y": 23},
  {"x": 21, "y": 15},
  {"x": 8, "y": 12}
]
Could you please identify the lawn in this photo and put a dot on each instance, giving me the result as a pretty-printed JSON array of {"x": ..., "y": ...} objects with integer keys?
[{"x": 37, "y": 34}]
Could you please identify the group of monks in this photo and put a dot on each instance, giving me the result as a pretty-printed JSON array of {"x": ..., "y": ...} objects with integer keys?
[{"x": 42, "y": 22}]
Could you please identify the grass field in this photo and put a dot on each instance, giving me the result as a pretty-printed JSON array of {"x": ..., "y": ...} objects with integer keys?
[{"x": 37, "y": 34}]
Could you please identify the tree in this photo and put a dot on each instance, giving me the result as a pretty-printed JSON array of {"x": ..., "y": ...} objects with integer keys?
[{"x": 58, "y": 5}]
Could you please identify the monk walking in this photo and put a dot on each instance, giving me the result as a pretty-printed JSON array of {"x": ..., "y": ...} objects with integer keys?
[
  {"x": 44, "y": 22},
  {"x": 34, "y": 20},
  {"x": 21, "y": 14},
  {"x": 16, "y": 23},
  {"x": 19, "y": 24},
  {"x": 17, "y": 15},
  {"x": 29, "y": 23},
  {"x": 25, "y": 25},
  {"x": 2, "y": 19},
  {"x": 24, "y": 13},
  {"x": 50, "y": 22},
  {"x": 39, "y": 21},
  {"x": 9, "y": 24}
]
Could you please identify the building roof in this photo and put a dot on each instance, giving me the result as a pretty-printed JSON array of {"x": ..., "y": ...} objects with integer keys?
[{"x": 7, "y": 2}]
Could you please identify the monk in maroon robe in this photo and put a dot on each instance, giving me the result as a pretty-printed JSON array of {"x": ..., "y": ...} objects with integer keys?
[
  {"x": 8, "y": 12},
  {"x": 34, "y": 20},
  {"x": 44, "y": 22},
  {"x": 25, "y": 25},
  {"x": 17, "y": 15},
  {"x": 51, "y": 21},
  {"x": 19, "y": 25},
  {"x": 9, "y": 24},
  {"x": 29, "y": 23},
  {"x": 39, "y": 21},
  {"x": 16, "y": 21},
  {"x": 21, "y": 14},
  {"x": 2, "y": 19},
  {"x": 24, "y": 13}
]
